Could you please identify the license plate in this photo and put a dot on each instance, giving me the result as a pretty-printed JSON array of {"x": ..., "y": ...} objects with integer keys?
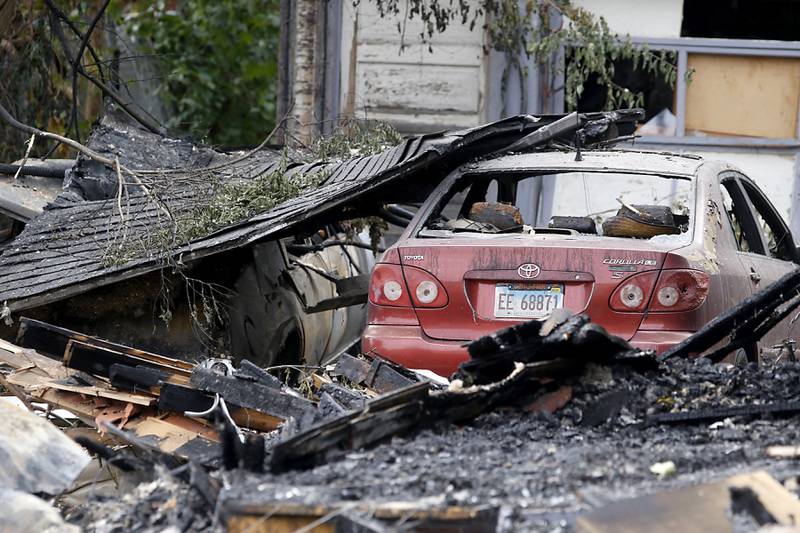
[{"x": 526, "y": 301}]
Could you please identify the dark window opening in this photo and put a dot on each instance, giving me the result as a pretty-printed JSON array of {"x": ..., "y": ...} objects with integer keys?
[
  {"x": 658, "y": 95},
  {"x": 746, "y": 229},
  {"x": 734, "y": 212},
  {"x": 774, "y": 230},
  {"x": 742, "y": 19}
]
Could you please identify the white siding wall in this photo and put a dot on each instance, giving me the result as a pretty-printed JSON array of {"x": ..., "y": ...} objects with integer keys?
[
  {"x": 639, "y": 18},
  {"x": 418, "y": 89}
]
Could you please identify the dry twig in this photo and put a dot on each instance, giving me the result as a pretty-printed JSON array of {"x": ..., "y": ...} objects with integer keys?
[{"x": 27, "y": 153}]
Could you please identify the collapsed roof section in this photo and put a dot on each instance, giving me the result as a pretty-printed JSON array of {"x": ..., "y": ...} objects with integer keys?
[{"x": 64, "y": 251}]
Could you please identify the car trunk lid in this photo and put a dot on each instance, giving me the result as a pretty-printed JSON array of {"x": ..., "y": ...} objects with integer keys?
[{"x": 488, "y": 280}]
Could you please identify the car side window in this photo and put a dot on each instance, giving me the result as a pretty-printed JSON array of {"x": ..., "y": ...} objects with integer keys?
[
  {"x": 780, "y": 244},
  {"x": 768, "y": 234},
  {"x": 737, "y": 210}
]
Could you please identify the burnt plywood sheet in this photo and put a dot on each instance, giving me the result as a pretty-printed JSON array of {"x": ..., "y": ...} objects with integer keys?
[{"x": 743, "y": 95}]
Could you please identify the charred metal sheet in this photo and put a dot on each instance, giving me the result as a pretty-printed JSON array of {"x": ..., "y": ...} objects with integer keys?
[
  {"x": 26, "y": 197},
  {"x": 702, "y": 416},
  {"x": 61, "y": 253},
  {"x": 383, "y": 417},
  {"x": 379, "y": 374}
]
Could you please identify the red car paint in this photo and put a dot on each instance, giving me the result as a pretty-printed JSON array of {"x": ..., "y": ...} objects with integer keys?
[{"x": 705, "y": 274}]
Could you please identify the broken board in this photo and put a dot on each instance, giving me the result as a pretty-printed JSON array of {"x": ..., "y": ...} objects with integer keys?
[{"x": 696, "y": 508}]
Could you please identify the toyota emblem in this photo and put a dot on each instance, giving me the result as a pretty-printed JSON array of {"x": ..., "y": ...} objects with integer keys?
[{"x": 529, "y": 270}]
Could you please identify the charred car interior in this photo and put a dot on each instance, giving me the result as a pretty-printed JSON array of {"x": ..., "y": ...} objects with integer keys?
[{"x": 588, "y": 203}]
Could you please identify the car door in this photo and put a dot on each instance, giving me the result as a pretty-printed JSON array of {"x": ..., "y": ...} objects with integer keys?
[
  {"x": 769, "y": 250},
  {"x": 780, "y": 253}
]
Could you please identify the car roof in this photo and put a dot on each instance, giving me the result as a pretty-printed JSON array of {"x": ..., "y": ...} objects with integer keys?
[{"x": 627, "y": 161}]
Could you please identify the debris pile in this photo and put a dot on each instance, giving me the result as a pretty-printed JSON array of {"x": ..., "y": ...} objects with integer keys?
[
  {"x": 546, "y": 466},
  {"x": 545, "y": 426}
]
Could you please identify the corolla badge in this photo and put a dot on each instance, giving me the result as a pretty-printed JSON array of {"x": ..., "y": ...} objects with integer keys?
[{"x": 529, "y": 270}]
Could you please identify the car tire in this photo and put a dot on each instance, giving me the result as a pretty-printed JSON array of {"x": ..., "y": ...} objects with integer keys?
[{"x": 256, "y": 331}]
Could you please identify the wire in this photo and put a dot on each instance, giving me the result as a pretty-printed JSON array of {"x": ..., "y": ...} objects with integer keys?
[
  {"x": 201, "y": 414},
  {"x": 586, "y": 193}
]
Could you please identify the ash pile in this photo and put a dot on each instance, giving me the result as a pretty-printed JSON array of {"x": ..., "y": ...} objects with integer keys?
[{"x": 552, "y": 425}]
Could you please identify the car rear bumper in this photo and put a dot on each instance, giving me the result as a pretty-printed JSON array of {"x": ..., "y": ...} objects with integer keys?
[
  {"x": 410, "y": 347},
  {"x": 659, "y": 341}
]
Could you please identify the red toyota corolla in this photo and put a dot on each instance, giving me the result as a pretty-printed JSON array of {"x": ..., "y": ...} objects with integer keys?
[{"x": 650, "y": 245}]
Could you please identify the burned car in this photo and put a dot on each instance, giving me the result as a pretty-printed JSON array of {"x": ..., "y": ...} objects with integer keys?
[{"x": 652, "y": 246}]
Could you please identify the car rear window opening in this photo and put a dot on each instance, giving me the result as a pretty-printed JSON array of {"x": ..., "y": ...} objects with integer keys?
[{"x": 568, "y": 203}]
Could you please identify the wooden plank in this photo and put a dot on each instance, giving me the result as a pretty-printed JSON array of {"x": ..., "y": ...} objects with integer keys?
[
  {"x": 86, "y": 408},
  {"x": 379, "y": 374},
  {"x": 170, "y": 437},
  {"x": 696, "y": 508},
  {"x": 52, "y": 340},
  {"x": 783, "y": 452},
  {"x": 18, "y": 358},
  {"x": 292, "y": 516},
  {"x": 384, "y": 377},
  {"x": 446, "y": 90},
  {"x": 98, "y": 360},
  {"x": 278, "y": 524},
  {"x": 252, "y": 370},
  {"x": 100, "y": 392}
]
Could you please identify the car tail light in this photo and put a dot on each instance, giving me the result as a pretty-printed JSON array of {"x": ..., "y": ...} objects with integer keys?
[
  {"x": 426, "y": 290},
  {"x": 633, "y": 294},
  {"x": 387, "y": 286},
  {"x": 672, "y": 290},
  {"x": 680, "y": 290}
]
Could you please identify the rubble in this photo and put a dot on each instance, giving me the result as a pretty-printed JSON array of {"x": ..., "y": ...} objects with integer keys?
[
  {"x": 37, "y": 457},
  {"x": 549, "y": 425},
  {"x": 20, "y": 511}
]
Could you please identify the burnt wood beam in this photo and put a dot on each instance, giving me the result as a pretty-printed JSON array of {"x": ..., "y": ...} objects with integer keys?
[{"x": 253, "y": 395}]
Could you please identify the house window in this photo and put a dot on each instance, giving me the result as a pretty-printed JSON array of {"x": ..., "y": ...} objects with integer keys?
[
  {"x": 742, "y": 19},
  {"x": 658, "y": 95}
]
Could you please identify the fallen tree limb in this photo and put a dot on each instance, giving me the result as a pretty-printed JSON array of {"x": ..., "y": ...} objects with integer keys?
[
  {"x": 63, "y": 16},
  {"x": 30, "y": 130},
  {"x": 25, "y": 159},
  {"x": 77, "y": 67}
]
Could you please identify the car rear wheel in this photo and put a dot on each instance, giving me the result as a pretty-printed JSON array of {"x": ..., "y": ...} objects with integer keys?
[{"x": 746, "y": 355}]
